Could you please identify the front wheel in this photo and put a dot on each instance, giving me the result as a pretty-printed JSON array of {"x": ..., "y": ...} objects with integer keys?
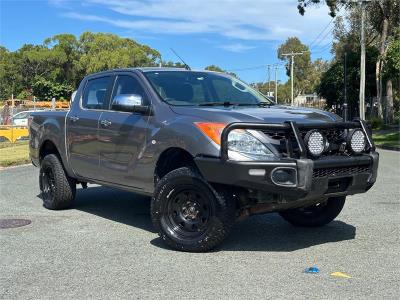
[
  {"x": 315, "y": 215},
  {"x": 189, "y": 214}
]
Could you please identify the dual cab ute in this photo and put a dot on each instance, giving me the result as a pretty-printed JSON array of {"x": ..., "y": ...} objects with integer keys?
[{"x": 206, "y": 147}]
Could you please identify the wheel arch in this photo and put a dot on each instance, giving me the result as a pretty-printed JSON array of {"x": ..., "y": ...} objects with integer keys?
[
  {"x": 48, "y": 147},
  {"x": 173, "y": 158}
]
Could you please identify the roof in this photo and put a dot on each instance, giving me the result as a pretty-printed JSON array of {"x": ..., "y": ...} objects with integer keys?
[{"x": 151, "y": 69}]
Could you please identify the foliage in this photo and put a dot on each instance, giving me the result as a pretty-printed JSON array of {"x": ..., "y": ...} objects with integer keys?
[
  {"x": 45, "y": 89},
  {"x": 393, "y": 59},
  {"x": 302, "y": 64},
  {"x": 331, "y": 85},
  {"x": 55, "y": 68},
  {"x": 375, "y": 122},
  {"x": 306, "y": 73},
  {"x": 171, "y": 64},
  {"x": 284, "y": 93},
  {"x": 382, "y": 28},
  {"x": 103, "y": 51},
  {"x": 216, "y": 68},
  {"x": 24, "y": 94}
]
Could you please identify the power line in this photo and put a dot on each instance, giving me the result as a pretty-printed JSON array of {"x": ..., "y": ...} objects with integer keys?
[
  {"x": 252, "y": 68},
  {"x": 323, "y": 30},
  {"x": 323, "y": 38}
]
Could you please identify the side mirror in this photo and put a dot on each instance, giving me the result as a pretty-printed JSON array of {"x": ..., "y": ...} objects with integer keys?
[{"x": 131, "y": 103}]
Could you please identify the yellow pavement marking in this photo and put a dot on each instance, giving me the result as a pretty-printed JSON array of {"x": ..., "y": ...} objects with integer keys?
[{"x": 340, "y": 274}]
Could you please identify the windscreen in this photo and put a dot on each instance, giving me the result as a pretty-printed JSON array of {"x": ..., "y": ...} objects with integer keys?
[{"x": 203, "y": 88}]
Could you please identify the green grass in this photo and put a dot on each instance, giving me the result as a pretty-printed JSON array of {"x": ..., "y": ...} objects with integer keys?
[
  {"x": 390, "y": 138},
  {"x": 14, "y": 154}
]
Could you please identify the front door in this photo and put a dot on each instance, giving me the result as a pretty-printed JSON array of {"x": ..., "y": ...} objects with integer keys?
[
  {"x": 122, "y": 136},
  {"x": 82, "y": 127}
]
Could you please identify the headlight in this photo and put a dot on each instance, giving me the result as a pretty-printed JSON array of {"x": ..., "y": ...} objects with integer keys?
[
  {"x": 315, "y": 142},
  {"x": 357, "y": 141},
  {"x": 245, "y": 143}
]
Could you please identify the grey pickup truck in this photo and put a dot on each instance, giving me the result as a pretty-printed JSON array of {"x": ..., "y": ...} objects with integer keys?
[{"x": 208, "y": 149}]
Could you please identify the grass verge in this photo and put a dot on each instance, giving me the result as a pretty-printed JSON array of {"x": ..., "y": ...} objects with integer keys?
[
  {"x": 389, "y": 138},
  {"x": 14, "y": 154}
]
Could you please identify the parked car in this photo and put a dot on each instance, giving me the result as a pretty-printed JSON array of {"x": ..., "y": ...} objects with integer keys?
[
  {"x": 206, "y": 147},
  {"x": 21, "y": 118}
]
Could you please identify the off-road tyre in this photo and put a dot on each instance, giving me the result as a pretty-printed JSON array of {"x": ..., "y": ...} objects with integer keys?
[
  {"x": 57, "y": 188},
  {"x": 213, "y": 211},
  {"x": 315, "y": 215}
]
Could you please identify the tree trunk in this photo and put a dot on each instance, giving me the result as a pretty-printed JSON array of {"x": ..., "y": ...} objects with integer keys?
[
  {"x": 378, "y": 88},
  {"x": 382, "y": 54},
  {"x": 389, "y": 102}
]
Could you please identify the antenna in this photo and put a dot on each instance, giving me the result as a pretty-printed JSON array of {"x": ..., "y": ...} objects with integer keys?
[{"x": 185, "y": 64}]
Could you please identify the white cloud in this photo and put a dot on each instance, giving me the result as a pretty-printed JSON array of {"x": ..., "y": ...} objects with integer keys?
[
  {"x": 258, "y": 20},
  {"x": 237, "y": 47}
]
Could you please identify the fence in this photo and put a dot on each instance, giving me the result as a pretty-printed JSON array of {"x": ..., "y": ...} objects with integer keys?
[
  {"x": 14, "y": 125},
  {"x": 10, "y": 133}
]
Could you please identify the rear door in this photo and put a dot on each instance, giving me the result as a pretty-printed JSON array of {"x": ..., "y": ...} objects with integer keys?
[
  {"x": 122, "y": 136},
  {"x": 82, "y": 126}
]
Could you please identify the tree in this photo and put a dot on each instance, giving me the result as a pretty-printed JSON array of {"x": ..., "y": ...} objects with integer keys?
[
  {"x": 10, "y": 77},
  {"x": 383, "y": 18},
  {"x": 331, "y": 85},
  {"x": 171, "y": 64},
  {"x": 46, "y": 90},
  {"x": 67, "y": 48},
  {"x": 55, "y": 67},
  {"x": 103, "y": 51},
  {"x": 302, "y": 64},
  {"x": 392, "y": 70},
  {"x": 214, "y": 68}
]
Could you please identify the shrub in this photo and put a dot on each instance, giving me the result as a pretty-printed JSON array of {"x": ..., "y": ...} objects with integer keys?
[{"x": 375, "y": 123}]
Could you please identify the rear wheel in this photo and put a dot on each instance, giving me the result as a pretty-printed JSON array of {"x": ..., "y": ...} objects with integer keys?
[
  {"x": 189, "y": 214},
  {"x": 315, "y": 215},
  {"x": 57, "y": 189}
]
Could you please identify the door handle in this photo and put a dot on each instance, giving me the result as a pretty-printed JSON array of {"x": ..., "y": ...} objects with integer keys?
[
  {"x": 105, "y": 123},
  {"x": 74, "y": 118}
]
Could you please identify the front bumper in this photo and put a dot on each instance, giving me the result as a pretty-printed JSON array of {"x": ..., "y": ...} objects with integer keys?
[
  {"x": 315, "y": 179},
  {"x": 336, "y": 175}
]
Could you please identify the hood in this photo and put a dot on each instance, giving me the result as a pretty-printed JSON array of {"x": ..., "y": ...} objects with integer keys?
[{"x": 273, "y": 114}]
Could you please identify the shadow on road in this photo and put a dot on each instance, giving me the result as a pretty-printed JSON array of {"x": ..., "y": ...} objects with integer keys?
[
  {"x": 259, "y": 233},
  {"x": 119, "y": 206}
]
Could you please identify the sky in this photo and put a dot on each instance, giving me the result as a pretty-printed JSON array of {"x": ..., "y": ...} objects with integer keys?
[{"x": 238, "y": 35}]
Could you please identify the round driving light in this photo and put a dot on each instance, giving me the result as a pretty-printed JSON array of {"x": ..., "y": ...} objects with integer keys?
[
  {"x": 315, "y": 142},
  {"x": 357, "y": 141}
]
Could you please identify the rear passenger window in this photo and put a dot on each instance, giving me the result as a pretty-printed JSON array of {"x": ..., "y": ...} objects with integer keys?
[
  {"x": 95, "y": 93},
  {"x": 127, "y": 85}
]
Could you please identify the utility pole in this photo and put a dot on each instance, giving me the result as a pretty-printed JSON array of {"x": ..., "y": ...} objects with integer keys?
[
  {"x": 292, "y": 55},
  {"x": 345, "y": 87},
  {"x": 362, "y": 67},
  {"x": 363, "y": 4},
  {"x": 276, "y": 84},
  {"x": 269, "y": 80}
]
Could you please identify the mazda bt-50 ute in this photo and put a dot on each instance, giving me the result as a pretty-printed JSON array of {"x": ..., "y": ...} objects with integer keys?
[{"x": 206, "y": 147}]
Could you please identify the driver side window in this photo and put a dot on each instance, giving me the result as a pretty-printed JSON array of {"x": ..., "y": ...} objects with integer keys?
[{"x": 127, "y": 85}]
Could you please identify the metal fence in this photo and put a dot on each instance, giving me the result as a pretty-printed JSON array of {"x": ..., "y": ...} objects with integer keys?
[{"x": 10, "y": 130}]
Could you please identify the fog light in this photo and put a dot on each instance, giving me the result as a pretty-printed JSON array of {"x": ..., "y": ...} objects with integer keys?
[
  {"x": 315, "y": 141},
  {"x": 284, "y": 176},
  {"x": 357, "y": 141}
]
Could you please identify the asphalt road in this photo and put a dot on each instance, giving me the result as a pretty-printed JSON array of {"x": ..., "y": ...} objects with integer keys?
[{"x": 105, "y": 248}]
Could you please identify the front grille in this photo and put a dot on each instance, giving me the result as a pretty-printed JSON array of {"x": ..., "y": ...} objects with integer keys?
[
  {"x": 335, "y": 137},
  {"x": 340, "y": 171}
]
